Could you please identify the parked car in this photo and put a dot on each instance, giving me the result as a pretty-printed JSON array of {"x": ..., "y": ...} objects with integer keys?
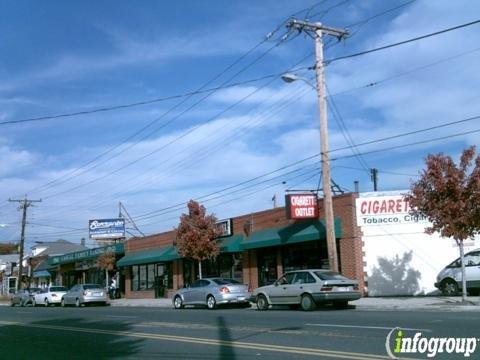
[
  {"x": 49, "y": 296},
  {"x": 212, "y": 292},
  {"x": 83, "y": 294},
  {"x": 449, "y": 280},
  {"x": 23, "y": 297},
  {"x": 307, "y": 288}
]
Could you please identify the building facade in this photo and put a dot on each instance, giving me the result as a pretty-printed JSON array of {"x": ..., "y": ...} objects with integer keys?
[
  {"x": 81, "y": 267},
  {"x": 399, "y": 257},
  {"x": 256, "y": 250}
]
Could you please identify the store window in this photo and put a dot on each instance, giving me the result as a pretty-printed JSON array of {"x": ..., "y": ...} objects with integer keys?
[
  {"x": 225, "y": 265},
  {"x": 308, "y": 255},
  {"x": 149, "y": 276}
]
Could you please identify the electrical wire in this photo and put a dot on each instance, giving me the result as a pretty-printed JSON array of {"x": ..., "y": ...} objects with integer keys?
[{"x": 329, "y": 61}]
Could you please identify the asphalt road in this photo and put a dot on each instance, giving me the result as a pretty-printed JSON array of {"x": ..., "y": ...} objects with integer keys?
[{"x": 159, "y": 333}]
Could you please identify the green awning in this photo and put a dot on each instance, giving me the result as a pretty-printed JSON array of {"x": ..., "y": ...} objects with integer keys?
[
  {"x": 231, "y": 244},
  {"x": 300, "y": 231},
  {"x": 116, "y": 249},
  {"x": 149, "y": 256},
  {"x": 41, "y": 273}
]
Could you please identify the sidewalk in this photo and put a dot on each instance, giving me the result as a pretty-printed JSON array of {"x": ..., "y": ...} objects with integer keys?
[
  {"x": 429, "y": 303},
  {"x": 426, "y": 303}
]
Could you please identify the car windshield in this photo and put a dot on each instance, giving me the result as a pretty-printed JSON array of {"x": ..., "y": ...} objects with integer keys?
[
  {"x": 225, "y": 281},
  {"x": 91, "y": 286},
  {"x": 58, "y": 288},
  {"x": 329, "y": 275}
]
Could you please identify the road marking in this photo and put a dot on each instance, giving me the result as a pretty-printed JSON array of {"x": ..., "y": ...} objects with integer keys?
[
  {"x": 367, "y": 327},
  {"x": 121, "y": 316},
  {"x": 205, "y": 341}
]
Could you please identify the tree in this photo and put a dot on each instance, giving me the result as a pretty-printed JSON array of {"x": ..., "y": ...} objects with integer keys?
[
  {"x": 449, "y": 196},
  {"x": 8, "y": 248},
  {"x": 196, "y": 235},
  {"x": 106, "y": 262}
]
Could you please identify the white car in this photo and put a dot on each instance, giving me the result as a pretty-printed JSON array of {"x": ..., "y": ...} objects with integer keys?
[
  {"x": 449, "y": 280},
  {"x": 49, "y": 296},
  {"x": 307, "y": 288}
]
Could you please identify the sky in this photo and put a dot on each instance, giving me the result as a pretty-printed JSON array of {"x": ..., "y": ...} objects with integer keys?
[{"x": 194, "y": 107}]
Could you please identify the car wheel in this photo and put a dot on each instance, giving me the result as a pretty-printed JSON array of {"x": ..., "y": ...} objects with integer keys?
[
  {"x": 178, "y": 302},
  {"x": 34, "y": 303},
  {"x": 449, "y": 287},
  {"x": 211, "y": 303},
  {"x": 262, "y": 303},
  {"x": 77, "y": 303},
  {"x": 307, "y": 303},
  {"x": 62, "y": 303},
  {"x": 12, "y": 304},
  {"x": 341, "y": 304},
  {"x": 46, "y": 302}
]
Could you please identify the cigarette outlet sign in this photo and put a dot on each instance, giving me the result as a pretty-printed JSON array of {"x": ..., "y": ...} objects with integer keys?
[{"x": 301, "y": 206}]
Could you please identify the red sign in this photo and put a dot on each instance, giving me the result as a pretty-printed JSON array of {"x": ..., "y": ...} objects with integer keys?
[{"x": 301, "y": 206}]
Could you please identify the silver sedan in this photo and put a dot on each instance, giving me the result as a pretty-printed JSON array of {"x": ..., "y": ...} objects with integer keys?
[
  {"x": 212, "y": 292},
  {"x": 82, "y": 294}
]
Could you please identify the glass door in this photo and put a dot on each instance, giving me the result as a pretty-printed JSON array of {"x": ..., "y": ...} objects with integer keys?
[{"x": 267, "y": 266}]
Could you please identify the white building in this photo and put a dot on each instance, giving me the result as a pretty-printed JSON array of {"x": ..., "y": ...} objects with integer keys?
[
  {"x": 8, "y": 279},
  {"x": 399, "y": 257}
]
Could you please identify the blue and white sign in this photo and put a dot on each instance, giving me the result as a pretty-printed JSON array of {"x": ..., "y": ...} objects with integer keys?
[{"x": 106, "y": 228}]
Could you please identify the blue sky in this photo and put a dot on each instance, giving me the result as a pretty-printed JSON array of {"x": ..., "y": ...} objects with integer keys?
[{"x": 63, "y": 57}]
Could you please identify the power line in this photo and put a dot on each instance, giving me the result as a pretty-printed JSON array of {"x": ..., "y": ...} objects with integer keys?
[
  {"x": 86, "y": 169},
  {"x": 410, "y": 133},
  {"x": 395, "y": 76},
  {"x": 344, "y": 130},
  {"x": 364, "y": 21},
  {"x": 231, "y": 187},
  {"x": 329, "y": 61},
  {"x": 139, "y": 103},
  {"x": 411, "y": 144}
]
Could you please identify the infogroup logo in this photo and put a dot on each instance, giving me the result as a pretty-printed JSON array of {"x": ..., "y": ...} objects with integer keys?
[{"x": 398, "y": 343}]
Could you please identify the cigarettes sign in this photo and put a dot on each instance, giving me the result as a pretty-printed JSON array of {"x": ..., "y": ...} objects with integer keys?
[
  {"x": 301, "y": 206},
  {"x": 385, "y": 210}
]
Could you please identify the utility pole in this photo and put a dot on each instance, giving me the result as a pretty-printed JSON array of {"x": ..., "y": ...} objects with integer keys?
[
  {"x": 374, "y": 175},
  {"x": 318, "y": 30},
  {"x": 24, "y": 205}
]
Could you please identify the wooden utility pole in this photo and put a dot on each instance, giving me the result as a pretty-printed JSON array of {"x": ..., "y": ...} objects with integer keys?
[
  {"x": 318, "y": 30},
  {"x": 24, "y": 205}
]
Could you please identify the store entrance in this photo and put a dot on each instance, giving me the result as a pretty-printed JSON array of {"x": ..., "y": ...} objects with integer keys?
[{"x": 267, "y": 266}]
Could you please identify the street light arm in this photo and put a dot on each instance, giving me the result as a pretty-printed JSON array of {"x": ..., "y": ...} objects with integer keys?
[{"x": 289, "y": 78}]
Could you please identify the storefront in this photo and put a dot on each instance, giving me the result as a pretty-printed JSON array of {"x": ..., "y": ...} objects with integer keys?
[
  {"x": 81, "y": 267},
  {"x": 259, "y": 248},
  {"x": 399, "y": 257}
]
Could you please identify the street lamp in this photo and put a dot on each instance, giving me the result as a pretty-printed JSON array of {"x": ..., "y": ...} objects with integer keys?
[
  {"x": 325, "y": 163},
  {"x": 289, "y": 78}
]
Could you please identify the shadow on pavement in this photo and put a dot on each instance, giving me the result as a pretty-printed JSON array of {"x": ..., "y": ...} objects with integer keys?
[
  {"x": 226, "y": 352},
  {"x": 36, "y": 340}
]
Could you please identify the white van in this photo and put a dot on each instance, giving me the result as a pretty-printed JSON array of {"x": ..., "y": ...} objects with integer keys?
[{"x": 449, "y": 280}]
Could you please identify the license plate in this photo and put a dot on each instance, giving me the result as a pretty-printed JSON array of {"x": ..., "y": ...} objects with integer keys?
[
  {"x": 240, "y": 298},
  {"x": 97, "y": 294},
  {"x": 343, "y": 288}
]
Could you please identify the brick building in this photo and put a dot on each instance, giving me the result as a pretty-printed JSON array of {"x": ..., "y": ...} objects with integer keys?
[{"x": 258, "y": 249}]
